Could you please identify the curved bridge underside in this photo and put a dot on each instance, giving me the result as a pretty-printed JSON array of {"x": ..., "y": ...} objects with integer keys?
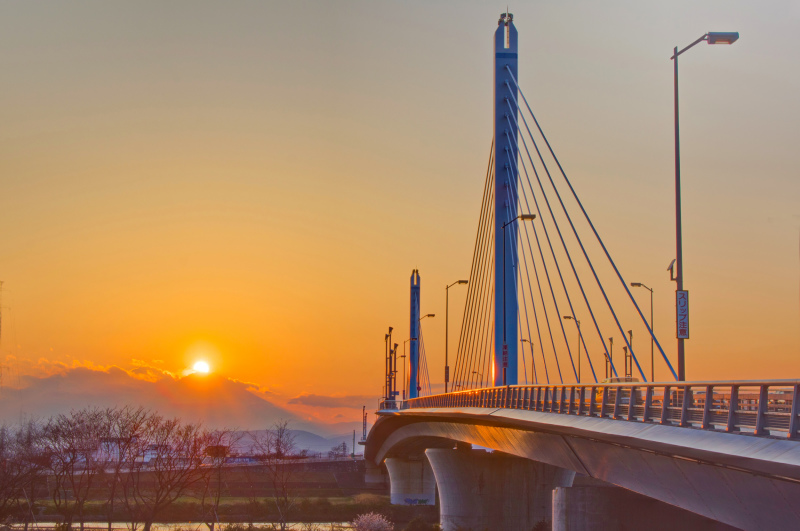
[{"x": 744, "y": 481}]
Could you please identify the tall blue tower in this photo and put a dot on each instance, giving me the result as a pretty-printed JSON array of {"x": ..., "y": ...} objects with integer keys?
[
  {"x": 505, "y": 202},
  {"x": 413, "y": 356}
]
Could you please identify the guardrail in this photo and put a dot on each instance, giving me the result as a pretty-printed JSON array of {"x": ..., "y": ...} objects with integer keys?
[{"x": 764, "y": 408}]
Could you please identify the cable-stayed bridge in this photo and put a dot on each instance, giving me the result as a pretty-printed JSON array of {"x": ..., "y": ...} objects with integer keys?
[{"x": 584, "y": 437}]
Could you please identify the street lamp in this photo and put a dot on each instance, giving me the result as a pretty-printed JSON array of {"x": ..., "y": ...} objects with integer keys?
[
  {"x": 577, "y": 322},
  {"x": 652, "y": 332},
  {"x": 533, "y": 367},
  {"x": 476, "y": 373},
  {"x": 447, "y": 329},
  {"x": 713, "y": 37},
  {"x": 523, "y": 217}
]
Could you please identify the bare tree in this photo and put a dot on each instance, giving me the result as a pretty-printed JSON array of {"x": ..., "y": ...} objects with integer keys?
[
  {"x": 168, "y": 464},
  {"x": 276, "y": 446},
  {"x": 20, "y": 464},
  {"x": 119, "y": 449},
  {"x": 219, "y": 444},
  {"x": 74, "y": 441}
]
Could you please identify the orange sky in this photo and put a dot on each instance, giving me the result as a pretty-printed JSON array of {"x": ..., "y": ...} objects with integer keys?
[{"x": 254, "y": 184}]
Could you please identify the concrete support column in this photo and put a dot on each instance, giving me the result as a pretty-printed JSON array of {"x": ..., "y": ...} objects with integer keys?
[
  {"x": 412, "y": 481},
  {"x": 373, "y": 476},
  {"x": 591, "y": 505},
  {"x": 481, "y": 490}
]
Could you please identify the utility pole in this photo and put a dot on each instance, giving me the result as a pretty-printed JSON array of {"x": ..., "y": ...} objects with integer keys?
[{"x": 364, "y": 423}]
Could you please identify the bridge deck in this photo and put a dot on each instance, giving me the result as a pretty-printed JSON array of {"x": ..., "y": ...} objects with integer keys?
[{"x": 761, "y": 408}]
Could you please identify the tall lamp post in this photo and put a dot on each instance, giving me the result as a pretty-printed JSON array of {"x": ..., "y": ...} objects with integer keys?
[
  {"x": 447, "y": 329},
  {"x": 533, "y": 367},
  {"x": 653, "y": 332},
  {"x": 712, "y": 37},
  {"x": 577, "y": 322},
  {"x": 388, "y": 384},
  {"x": 523, "y": 217}
]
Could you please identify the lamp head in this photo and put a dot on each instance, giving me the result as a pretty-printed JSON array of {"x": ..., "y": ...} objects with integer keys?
[
  {"x": 636, "y": 284},
  {"x": 568, "y": 317},
  {"x": 463, "y": 282},
  {"x": 527, "y": 217},
  {"x": 722, "y": 37}
]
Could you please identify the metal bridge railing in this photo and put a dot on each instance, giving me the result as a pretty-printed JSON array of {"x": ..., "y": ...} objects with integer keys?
[{"x": 764, "y": 408}]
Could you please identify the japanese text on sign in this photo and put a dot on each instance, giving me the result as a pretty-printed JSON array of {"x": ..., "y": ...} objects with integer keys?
[{"x": 682, "y": 313}]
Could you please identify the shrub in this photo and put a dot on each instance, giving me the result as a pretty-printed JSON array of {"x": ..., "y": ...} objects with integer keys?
[{"x": 372, "y": 522}]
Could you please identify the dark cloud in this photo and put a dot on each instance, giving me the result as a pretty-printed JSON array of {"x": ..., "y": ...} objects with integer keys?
[{"x": 353, "y": 401}]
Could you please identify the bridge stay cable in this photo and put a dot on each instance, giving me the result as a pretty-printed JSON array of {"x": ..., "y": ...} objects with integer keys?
[
  {"x": 534, "y": 377},
  {"x": 552, "y": 292},
  {"x": 566, "y": 250},
  {"x": 467, "y": 328},
  {"x": 528, "y": 323},
  {"x": 473, "y": 327},
  {"x": 547, "y": 319},
  {"x": 555, "y": 260},
  {"x": 541, "y": 298},
  {"x": 481, "y": 327},
  {"x": 533, "y": 305},
  {"x": 596, "y": 234},
  {"x": 580, "y": 244},
  {"x": 513, "y": 237},
  {"x": 425, "y": 377},
  {"x": 470, "y": 308}
]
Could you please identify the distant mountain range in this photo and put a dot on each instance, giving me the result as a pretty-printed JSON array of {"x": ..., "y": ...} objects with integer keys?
[
  {"x": 305, "y": 440},
  {"x": 214, "y": 400}
]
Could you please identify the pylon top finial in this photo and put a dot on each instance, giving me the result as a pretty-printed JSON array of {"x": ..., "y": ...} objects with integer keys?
[{"x": 505, "y": 18}]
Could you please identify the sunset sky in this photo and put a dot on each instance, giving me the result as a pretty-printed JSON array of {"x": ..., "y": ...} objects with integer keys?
[{"x": 251, "y": 183}]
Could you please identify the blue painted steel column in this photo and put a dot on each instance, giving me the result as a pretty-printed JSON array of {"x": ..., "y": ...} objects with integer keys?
[
  {"x": 505, "y": 150},
  {"x": 413, "y": 355}
]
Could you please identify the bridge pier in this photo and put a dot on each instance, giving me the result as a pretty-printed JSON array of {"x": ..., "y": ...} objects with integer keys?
[
  {"x": 373, "y": 475},
  {"x": 411, "y": 481},
  {"x": 593, "y": 505},
  {"x": 482, "y": 490}
]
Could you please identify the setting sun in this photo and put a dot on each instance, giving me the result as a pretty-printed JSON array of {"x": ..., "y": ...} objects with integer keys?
[{"x": 201, "y": 366}]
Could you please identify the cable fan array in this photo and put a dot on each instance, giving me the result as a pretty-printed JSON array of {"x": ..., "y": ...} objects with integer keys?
[
  {"x": 558, "y": 282},
  {"x": 424, "y": 375}
]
